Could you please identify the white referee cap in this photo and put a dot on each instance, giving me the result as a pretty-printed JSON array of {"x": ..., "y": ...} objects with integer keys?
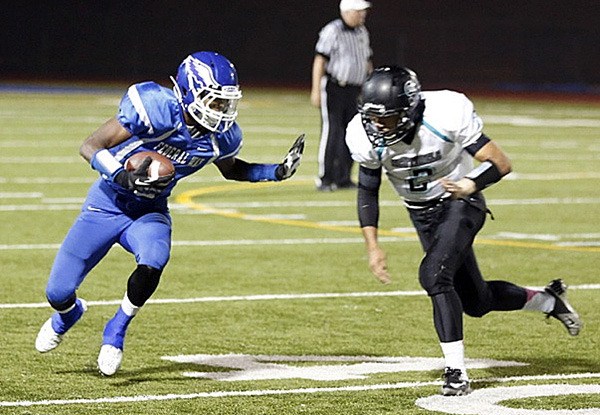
[{"x": 346, "y": 5}]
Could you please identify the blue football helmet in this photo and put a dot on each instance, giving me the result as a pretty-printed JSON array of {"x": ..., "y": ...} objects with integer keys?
[{"x": 207, "y": 89}]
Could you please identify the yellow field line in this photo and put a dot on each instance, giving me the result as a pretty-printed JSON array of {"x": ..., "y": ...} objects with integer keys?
[{"x": 187, "y": 199}]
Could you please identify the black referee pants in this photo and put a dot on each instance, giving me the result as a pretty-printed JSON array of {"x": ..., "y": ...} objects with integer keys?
[
  {"x": 338, "y": 108},
  {"x": 449, "y": 271}
]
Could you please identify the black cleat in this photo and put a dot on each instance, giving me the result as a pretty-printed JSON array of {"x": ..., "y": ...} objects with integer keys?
[
  {"x": 454, "y": 384},
  {"x": 563, "y": 311}
]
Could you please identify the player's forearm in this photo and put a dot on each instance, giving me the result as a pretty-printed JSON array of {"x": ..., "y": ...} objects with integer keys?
[
  {"x": 108, "y": 135},
  {"x": 495, "y": 164},
  {"x": 370, "y": 237},
  {"x": 367, "y": 199},
  {"x": 241, "y": 170},
  {"x": 318, "y": 71}
]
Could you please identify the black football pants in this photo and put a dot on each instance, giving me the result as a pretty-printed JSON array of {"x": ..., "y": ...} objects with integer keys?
[
  {"x": 335, "y": 161},
  {"x": 449, "y": 272}
]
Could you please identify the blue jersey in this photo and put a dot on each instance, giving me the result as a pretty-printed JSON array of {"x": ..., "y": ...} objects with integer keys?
[{"x": 152, "y": 114}]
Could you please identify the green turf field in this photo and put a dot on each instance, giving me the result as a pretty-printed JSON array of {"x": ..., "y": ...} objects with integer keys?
[{"x": 267, "y": 305}]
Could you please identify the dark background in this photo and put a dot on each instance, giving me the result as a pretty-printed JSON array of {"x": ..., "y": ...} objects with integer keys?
[{"x": 517, "y": 44}]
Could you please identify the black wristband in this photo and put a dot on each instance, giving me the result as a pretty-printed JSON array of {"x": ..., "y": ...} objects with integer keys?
[{"x": 485, "y": 175}]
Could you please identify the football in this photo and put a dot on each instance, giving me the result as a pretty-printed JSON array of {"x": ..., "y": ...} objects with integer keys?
[{"x": 160, "y": 166}]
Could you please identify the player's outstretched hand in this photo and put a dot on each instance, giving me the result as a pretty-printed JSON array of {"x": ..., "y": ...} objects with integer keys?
[
  {"x": 290, "y": 163},
  {"x": 140, "y": 184},
  {"x": 378, "y": 265}
]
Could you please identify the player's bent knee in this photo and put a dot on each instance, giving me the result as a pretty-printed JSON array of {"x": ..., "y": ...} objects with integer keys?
[
  {"x": 433, "y": 286},
  {"x": 436, "y": 275},
  {"x": 142, "y": 283},
  {"x": 155, "y": 255},
  {"x": 60, "y": 302},
  {"x": 476, "y": 312}
]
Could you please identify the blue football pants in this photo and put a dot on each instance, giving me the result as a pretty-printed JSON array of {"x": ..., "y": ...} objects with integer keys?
[{"x": 90, "y": 238}]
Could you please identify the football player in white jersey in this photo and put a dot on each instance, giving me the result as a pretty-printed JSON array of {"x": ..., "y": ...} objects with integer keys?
[
  {"x": 193, "y": 125},
  {"x": 425, "y": 142}
]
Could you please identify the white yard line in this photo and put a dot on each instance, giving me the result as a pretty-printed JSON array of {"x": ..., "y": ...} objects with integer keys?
[
  {"x": 268, "y": 297},
  {"x": 550, "y": 177},
  {"x": 523, "y": 121},
  {"x": 271, "y": 392},
  {"x": 20, "y": 195},
  {"x": 68, "y": 203},
  {"x": 229, "y": 242}
]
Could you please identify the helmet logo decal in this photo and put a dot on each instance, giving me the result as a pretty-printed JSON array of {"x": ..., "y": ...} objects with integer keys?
[
  {"x": 411, "y": 89},
  {"x": 200, "y": 71}
]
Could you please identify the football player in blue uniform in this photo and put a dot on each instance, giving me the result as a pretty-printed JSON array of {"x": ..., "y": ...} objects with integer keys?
[
  {"x": 193, "y": 125},
  {"x": 425, "y": 142}
]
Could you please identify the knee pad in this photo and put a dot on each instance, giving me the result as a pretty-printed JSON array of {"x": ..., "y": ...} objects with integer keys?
[
  {"x": 142, "y": 283},
  {"x": 61, "y": 305}
]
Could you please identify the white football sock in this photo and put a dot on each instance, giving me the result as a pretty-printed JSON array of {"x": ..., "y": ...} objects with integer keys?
[
  {"x": 68, "y": 309},
  {"x": 540, "y": 301},
  {"x": 454, "y": 355},
  {"x": 128, "y": 308}
]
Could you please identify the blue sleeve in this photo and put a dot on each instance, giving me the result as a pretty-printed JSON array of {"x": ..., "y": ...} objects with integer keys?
[
  {"x": 148, "y": 109},
  {"x": 263, "y": 173},
  {"x": 230, "y": 142}
]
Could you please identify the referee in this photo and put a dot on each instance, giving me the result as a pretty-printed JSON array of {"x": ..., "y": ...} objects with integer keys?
[{"x": 342, "y": 62}]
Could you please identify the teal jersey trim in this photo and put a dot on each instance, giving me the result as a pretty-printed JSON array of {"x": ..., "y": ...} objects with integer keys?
[{"x": 436, "y": 132}]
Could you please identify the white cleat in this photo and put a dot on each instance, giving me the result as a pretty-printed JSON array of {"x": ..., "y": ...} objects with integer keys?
[
  {"x": 109, "y": 359},
  {"x": 47, "y": 339},
  {"x": 563, "y": 311}
]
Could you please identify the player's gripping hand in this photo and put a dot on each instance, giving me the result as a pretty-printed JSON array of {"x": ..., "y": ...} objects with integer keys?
[
  {"x": 140, "y": 184},
  {"x": 290, "y": 163},
  {"x": 459, "y": 189}
]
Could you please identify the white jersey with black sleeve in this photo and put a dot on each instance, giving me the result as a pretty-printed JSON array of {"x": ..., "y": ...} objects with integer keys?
[{"x": 450, "y": 124}]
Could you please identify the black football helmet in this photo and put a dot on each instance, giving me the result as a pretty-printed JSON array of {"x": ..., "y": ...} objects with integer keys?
[{"x": 390, "y": 91}]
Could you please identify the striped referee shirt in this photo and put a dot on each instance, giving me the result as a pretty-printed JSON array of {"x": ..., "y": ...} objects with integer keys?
[{"x": 348, "y": 51}]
